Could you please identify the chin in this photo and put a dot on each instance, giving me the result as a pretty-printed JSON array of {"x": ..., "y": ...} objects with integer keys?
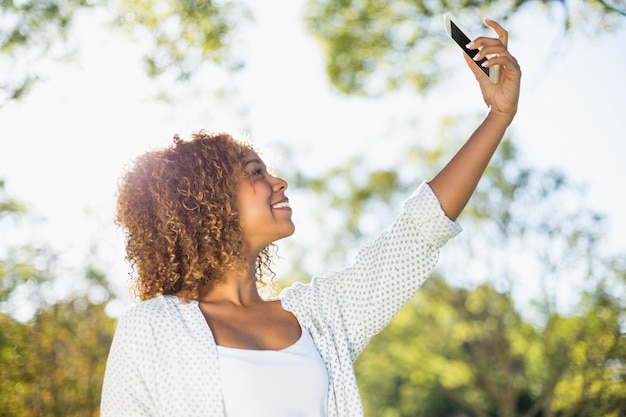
[{"x": 288, "y": 233}]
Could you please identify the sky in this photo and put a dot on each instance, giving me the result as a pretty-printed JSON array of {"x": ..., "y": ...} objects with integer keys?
[{"x": 64, "y": 146}]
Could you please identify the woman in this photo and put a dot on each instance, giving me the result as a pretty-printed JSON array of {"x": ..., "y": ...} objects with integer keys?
[{"x": 200, "y": 218}]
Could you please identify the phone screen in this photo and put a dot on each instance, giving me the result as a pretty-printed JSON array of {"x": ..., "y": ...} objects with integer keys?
[{"x": 462, "y": 40}]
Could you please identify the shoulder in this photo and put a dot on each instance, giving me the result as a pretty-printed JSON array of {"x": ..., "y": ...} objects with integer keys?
[
  {"x": 155, "y": 313},
  {"x": 146, "y": 310}
]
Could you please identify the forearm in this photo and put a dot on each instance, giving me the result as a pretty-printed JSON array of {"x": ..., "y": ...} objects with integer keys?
[{"x": 456, "y": 182}]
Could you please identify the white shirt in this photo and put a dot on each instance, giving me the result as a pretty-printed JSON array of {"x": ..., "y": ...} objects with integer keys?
[
  {"x": 164, "y": 361},
  {"x": 292, "y": 382}
]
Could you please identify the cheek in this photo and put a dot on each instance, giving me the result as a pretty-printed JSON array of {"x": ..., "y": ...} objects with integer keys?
[
  {"x": 253, "y": 200},
  {"x": 251, "y": 211}
]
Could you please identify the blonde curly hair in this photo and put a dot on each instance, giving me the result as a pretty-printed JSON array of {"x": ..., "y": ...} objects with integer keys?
[{"x": 179, "y": 211}]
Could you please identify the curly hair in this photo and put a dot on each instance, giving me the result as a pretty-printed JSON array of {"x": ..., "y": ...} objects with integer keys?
[{"x": 179, "y": 211}]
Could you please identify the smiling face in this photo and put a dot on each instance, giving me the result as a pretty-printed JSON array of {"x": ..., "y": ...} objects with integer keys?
[{"x": 264, "y": 212}]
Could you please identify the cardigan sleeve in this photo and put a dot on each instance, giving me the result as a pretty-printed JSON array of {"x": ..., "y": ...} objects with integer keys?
[{"x": 358, "y": 302}]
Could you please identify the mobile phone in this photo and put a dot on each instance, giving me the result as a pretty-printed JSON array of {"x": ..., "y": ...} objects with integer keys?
[{"x": 460, "y": 36}]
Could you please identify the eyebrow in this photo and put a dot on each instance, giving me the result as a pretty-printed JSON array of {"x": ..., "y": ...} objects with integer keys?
[{"x": 252, "y": 161}]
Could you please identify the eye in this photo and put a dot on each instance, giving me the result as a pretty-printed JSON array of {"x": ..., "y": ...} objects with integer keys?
[{"x": 254, "y": 168}]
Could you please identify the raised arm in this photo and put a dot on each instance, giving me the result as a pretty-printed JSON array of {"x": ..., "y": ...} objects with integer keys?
[{"x": 456, "y": 182}]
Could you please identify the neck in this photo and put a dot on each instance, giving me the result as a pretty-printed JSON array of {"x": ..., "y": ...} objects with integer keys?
[{"x": 238, "y": 287}]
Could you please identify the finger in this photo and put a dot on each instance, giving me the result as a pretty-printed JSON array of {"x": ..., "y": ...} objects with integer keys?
[
  {"x": 508, "y": 63},
  {"x": 487, "y": 50},
  {"x": 503, "y": 35},
  {"x": 494, "y": 45},
  {"x": 478, "y": 73}
]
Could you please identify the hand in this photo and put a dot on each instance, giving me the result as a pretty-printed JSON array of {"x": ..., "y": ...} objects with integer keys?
[{"x": 501, "y": 98}]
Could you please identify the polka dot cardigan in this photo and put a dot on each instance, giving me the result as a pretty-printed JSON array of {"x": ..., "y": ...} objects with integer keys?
[{"x": 164, "y": 361}]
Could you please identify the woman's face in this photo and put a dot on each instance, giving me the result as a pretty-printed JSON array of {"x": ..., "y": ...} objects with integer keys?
[{"x": 264, "y": 212}]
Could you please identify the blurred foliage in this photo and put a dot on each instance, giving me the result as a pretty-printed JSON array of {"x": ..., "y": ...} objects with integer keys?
[
  {"x": 53, "y": 364},
  {"x": 376, "y": 45},
  {"x": 182, "y": 34},
  {"x": 186, "y": 33},
  {"x": 468, "y": 352},
  {"x": 370, "y": 45},
  {"x": 8, "y": 205},
  {"x": 359, "y": 196},
  {"x": 29, "y": 31},
  {"x": 560, "y": 236}
]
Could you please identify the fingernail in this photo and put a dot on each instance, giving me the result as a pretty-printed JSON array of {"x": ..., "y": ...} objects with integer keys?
[
  {"x": 470, "y": 45},
  {"x": 476, "y": 57}
]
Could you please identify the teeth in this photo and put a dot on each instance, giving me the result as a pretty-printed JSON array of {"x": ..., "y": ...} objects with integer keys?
[{"x": 284, "y": 204}]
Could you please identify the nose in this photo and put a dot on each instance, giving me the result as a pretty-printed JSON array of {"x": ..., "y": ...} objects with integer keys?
[{"x": 279, "y": 184}]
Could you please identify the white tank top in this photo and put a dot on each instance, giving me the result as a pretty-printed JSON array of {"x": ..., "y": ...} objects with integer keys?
[{"x": 292, "y": 382}]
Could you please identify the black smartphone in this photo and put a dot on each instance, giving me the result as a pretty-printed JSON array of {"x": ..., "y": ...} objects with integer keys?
[{"x": 461, "y": 37}]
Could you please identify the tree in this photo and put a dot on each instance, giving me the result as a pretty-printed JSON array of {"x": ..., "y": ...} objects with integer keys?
[
  {"x": 53, "y": 364},
  {"x": 468, "y": 352},
  {"x": 370, "y": 45},
  {"x": 183, "y": 35},
  {"x": 17, "y": 263},
  {"x": 374, "y": 45}
]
